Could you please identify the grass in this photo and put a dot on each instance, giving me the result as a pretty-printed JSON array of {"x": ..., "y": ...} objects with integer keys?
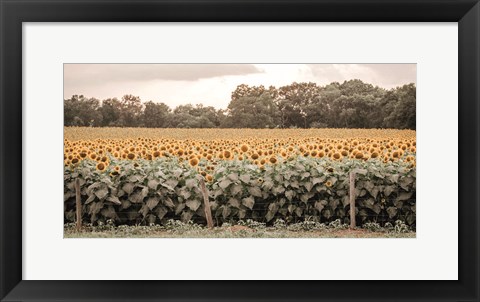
[{"x": 180, "y": 230}]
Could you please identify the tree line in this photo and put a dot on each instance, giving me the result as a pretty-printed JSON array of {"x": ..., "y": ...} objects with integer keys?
[{"x": 351, "y": 104}]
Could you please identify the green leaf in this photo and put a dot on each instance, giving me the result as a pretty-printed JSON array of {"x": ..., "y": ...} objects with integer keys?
[
  {"x": 319, "y": 205},
  {"x": 377, "y": 208},
  {"x": 245, "y": 178},
  {"x": 184, "y": 193},
  {"x": 193, "y": 204},
  {"x": 278, "y": 190},
  {"x": 95, "y": 207},
  {"x": 177, "y": 173},
  {"x": 144, "y": 210},
  {"x": 190, "y": 183},
  {"x": 317, "y": 180},
  {"x": 269, "y": 216},
  {"x": 101, "y": 193},
  {"x": 161, "y": 211},
  {"x": 249, "y": 202},
  {"x": 68, "y": 195},
  {"x": 289, "y": 194},
  {"x": 374, "y": 192},
  {"x": 179, "y": 208},
  {"x": 234, "y": 202},
  {"x": 151, "y": 218},
  {"x": 308, "y": 185},
  {"x": 333, "y": 204},
  {"x": 236, "y": 189},
  {"x": 405, "y": 182},
  {"x": 267, "y": 184},
  {"x": 255, "y": 191},
  {"x": 410, "y": 219},
  {"x": 404, "y": 196},
  {"x": 152, "y": 202},
  {"x": 186, "y": 216},
  {"x": 291, "y": 208},
  {"x": 388, "y": 190},
  {"x": 153, "y": 184},
  {"x": 327, "y": 213},
  {"x": 136, "y": 197},
  {"x": 90, "y": 199},
  {"x": 233, "y": 176},
  {"x": 394, "y": 178},
  {"x": 108, "y": 212},
  {"x": 361, "y": 171},
  {"x": 125, "y": 204},
  {"x": 368, "y": 203},
  {"x": 392, "y": 212},
  {"x": 306, "y": 196},
  {"x": 128, "y": 188},
  {"x": 224, "y": 184},
  {"x": 226, "y": 211},
  {"x": 168, "y": 202},
  {"x": 114, "y": 199},
  {"x": 170, "y": 184}
]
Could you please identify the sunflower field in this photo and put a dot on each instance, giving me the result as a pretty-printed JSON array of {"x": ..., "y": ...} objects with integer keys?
[{"x": 146, "y": 176}]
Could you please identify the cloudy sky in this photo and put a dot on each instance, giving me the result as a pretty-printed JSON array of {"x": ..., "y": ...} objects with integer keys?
[{"x": 212, "y": 84}]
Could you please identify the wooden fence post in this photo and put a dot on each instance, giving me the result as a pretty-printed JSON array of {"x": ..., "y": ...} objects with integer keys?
[
  {"x": 78, "y": 201},
  {"x": 352, "y": 200},
  {"x": 208, "y": 212}
]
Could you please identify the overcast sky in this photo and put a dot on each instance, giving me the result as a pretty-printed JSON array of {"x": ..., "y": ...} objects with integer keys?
[{"x": 212, "y": 84}]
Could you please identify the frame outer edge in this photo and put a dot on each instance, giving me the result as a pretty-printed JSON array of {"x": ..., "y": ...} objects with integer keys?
[
  {"x": 469, "y": 138},
  {"x": 11, "y": 140},
  {"x": 10, "y": 30}
]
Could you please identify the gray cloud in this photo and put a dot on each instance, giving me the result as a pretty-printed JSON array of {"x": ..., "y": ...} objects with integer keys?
[
  {"x": 383, "y": 75},
  {"x": 96, "y": 74}
]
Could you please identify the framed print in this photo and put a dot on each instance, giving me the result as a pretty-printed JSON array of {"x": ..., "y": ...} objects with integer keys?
[{"x": 218, "y": 150}]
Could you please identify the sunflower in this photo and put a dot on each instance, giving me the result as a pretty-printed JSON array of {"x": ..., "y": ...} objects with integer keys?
[
  {"x": 273, "y": 160},
  {"x": 244, "y": 148},
  {"x": 193, "y": 162},
  {"x": 101, "y": 166},
  {"x": 328, "y": 183},
  {"x": 131, "y": 156},
  {"x": 358, "y": 155}
]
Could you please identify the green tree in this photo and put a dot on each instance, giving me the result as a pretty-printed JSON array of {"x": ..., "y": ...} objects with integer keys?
[
  {"x": 131, "y": 110},
  {"x": 402, "y": 108},
  {"x": 293, "y": 101},
  {"x": 156, "y": 115},
  {"x": 252, "y": 111},
  {"x": 82, "y": 111},
  {"x": 111, "y": 112}
]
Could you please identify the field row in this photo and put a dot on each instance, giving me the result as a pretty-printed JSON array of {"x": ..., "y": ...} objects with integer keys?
[{"x": 147, "y": 192}]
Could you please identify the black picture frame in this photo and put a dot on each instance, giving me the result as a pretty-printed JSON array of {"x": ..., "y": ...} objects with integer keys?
[{"x": 14, "y": 12}]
